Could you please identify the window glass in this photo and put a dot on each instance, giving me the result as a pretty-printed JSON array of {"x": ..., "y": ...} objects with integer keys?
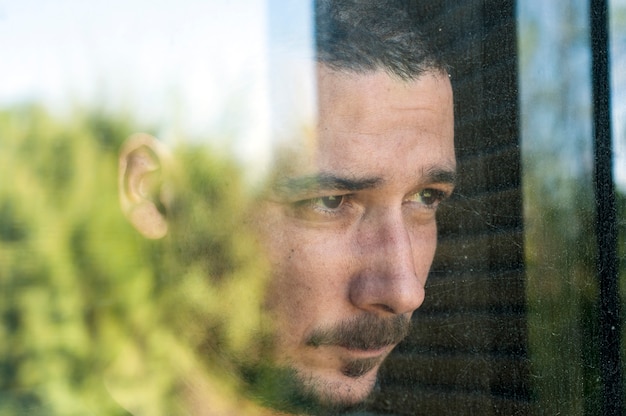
[
  {"x": 559, "y": 205},
  {"x": 180, "y": 182},
  {"x": 617, "y": 22},
  {"x": 617, "y": 33},
  {"x": 128, "y": 282},
  {"x": 201, "y": 213},
  {"x": 555, "y": 93}
]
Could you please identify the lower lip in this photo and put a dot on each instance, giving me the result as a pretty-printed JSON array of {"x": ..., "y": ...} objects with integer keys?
[{"x": 367, "y": 353}]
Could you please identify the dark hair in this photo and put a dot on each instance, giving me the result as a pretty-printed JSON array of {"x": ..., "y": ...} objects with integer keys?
[{"x": 369, "y": 35}]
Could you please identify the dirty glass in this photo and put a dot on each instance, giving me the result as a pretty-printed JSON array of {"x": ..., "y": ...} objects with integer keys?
[
  {"x": 107, "y": 307},
  {"x": 195, "y": 218},
  {"x": 198, "y": 218},
  {"x": 617, "y": 38},
  {"x": 559, "y": 199}
]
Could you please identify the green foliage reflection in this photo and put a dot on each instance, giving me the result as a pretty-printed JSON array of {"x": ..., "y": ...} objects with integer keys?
[{"x": 95, "y": 318}]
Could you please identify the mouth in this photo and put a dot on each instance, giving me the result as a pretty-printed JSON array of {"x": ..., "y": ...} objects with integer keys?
[
  {"x": 368, "y": 333},
  {"x": 357, "y": 362},
  {"x": 358, "y": 367},
  {"x": 371, "y": 352}
]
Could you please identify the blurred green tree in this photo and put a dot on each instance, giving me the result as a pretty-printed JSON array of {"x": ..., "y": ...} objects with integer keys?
[{"x": 90, "y": 309}]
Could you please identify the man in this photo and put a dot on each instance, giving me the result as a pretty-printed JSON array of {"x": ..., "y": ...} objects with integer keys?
[{"x": 347, "y": 220}]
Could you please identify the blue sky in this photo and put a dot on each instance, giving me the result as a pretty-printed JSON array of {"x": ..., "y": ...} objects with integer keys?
[
  {"x": 618, "y": 75},
  {"x": 174, "y": 65},
  {"x": 170, "y": 63},
  {"x": 193, "y": 68},
  {"x": 555, "y": 86}
]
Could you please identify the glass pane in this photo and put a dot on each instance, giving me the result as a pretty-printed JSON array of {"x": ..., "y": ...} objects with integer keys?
[
  {"x": 555, "y": 90},
  {"x": 617, "y": 10},
  {"x": 201, "y": 213},
  {"x": 617, "y": 15},
  {"x": 97, "y": 319}
]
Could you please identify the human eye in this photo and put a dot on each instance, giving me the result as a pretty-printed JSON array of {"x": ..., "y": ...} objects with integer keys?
[
  {"x": 327, "y": 204},
  {"x": 324, "y": 207},
  {"x": 429, "y": 197}
]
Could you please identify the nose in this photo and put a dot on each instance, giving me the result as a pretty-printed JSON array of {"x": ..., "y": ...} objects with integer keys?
[{"x": 394, "y": 260}]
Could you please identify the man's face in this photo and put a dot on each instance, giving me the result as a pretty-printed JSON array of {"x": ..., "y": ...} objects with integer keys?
[{"x": 350, "y": 227}]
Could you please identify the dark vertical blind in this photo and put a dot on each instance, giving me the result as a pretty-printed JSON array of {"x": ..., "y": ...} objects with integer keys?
[
  {"x": 467, "y": 354},
  {"x": 606, "y": 217}
]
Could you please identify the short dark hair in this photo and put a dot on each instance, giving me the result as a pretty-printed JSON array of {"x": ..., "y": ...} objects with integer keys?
[{"x": 368, "y": 35}]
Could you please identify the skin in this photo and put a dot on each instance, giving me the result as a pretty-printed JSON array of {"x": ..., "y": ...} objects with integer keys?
[
  {"x": 348, "y": 225},
  {"x": 350, "y": 228}
]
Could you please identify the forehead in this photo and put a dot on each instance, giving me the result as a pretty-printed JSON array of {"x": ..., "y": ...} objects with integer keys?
[
  {"x": 365, "y": 119},
  {"x": 367, "y": 94}
]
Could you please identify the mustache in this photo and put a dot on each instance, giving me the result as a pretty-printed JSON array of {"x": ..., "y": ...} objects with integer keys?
[{"x": 364, "y": 332}]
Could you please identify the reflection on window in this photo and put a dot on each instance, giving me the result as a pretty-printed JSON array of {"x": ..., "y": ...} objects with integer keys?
[
  {"x": 617, "y": 15},
  {"x": 560, "y": 211}
]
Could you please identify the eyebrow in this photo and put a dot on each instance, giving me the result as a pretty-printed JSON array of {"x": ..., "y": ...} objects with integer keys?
[
  {"x": 440, "y": 175},
  {"x": 288, "y": 186},
  {"x": 323, "y": 181}
]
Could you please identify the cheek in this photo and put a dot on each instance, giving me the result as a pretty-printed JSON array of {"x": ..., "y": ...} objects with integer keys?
[
  {"x": 307, "y": 271},
  {"x": 424, "y": 245}
]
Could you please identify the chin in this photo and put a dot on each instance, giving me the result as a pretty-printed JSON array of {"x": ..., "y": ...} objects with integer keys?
[
  {"x": 300, "y": 389},
  {"x": 334, "y": 392}
]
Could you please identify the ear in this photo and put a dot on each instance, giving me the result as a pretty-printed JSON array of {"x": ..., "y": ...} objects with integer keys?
[{"x": 142, "y": 192}]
